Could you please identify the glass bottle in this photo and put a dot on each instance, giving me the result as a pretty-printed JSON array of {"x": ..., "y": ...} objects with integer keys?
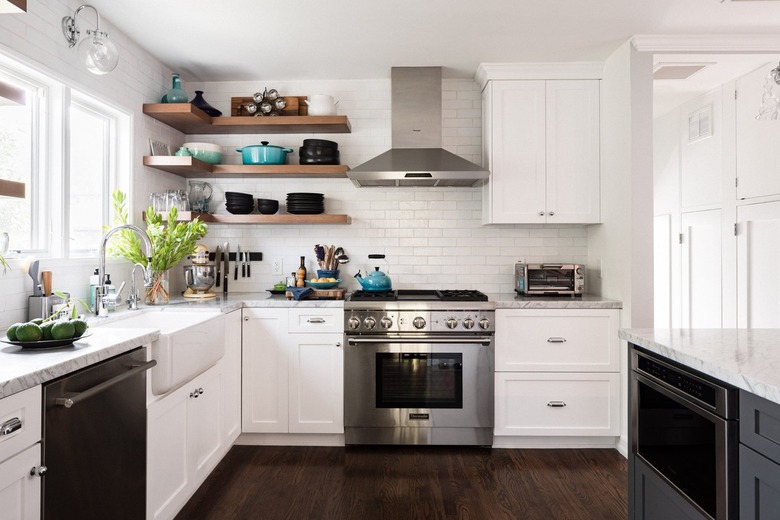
[
  {"x": 176, "y": 94},
  {"x": 300, "y": 274}
]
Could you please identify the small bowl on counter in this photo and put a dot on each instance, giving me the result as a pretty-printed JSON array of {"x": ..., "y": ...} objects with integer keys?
[
  {"x": 207, "y": 152},
  {"x": 323, "y": 285}
]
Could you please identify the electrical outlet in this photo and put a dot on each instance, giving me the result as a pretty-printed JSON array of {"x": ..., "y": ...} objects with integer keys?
[{"x": 277, "y": 266}]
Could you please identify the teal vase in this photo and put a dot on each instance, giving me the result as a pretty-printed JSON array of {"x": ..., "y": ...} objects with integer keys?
[{"x": 176, "y": 94}]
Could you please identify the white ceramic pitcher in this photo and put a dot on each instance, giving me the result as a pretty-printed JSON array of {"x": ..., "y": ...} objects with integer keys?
[{"x": 321, "y": 105}]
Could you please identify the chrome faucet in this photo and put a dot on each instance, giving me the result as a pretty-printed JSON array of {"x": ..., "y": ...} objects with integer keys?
[
  {"x": 102, "y": 290},
  {"x": 132, "y": 298}
]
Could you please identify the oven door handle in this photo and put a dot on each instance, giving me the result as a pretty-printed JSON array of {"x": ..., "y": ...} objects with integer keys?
[{"x": 482, "y": 340}]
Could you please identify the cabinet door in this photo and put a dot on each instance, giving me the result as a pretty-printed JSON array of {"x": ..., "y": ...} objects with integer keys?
[
  {"x": 517, "y": 152},
  {"x": 316, "y": 383},
  {"x": 759, "y": 486},
  {"x": 167, "y": 476},
  {"x": 701, "y": 269},
  {"x": 203, "y": 423},
  {"x": 655, "y": 499},
  {"x": 758, "y": 249},
  {"x": 231, "y": 379},
  {"x": 264, "y": 371},
  {"x": 573, "y": 152},
  {"x": 20, "y": 492}
]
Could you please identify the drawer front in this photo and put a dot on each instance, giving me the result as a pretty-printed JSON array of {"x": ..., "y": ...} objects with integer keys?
[
  {"x": 20, "y": 417},
  {"x": 759, "y": 425},
  {"x": 585, "y": 404},
  {"x": 576, "y": 340},
  {"x": 316, "y": 320}
]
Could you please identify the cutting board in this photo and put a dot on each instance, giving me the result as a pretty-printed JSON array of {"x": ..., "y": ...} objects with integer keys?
[{"x": 322, "y": 294}]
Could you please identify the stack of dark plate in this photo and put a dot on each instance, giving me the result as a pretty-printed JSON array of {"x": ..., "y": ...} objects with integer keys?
[
  {"x": 319, "y": 151},
  {"x": 305, "y": 203},
  {"x": 239, "y": 203}
]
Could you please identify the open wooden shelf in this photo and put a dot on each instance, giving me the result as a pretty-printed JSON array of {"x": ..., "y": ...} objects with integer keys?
[
  {"x": 191, "y": 167},
  {"x": 191, "y": 120},
  {"x": 15, "y": 189},
  {"x": 256, "y": 218}
]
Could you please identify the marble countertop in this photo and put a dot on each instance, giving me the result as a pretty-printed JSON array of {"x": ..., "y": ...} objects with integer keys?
[
  {"x": 745, "y": 358},
  {"x": 586, "y": 301},
  {"x": 24, "y": 368}
]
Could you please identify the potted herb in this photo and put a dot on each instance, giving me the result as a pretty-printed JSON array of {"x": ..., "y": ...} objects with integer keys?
[{"x": 172, "y": 242}]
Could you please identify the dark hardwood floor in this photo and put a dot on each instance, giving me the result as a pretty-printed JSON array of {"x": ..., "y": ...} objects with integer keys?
[{"x": 409, "y": 483}]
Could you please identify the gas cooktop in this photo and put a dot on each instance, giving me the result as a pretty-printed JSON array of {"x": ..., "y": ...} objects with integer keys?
[{"x": 454, "y": 295}]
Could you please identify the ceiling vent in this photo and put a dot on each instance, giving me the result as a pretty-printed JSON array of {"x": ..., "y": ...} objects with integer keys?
[{"x": 663, "y": 71}]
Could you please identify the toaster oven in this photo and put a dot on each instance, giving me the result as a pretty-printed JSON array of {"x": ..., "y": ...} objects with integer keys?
[{"x": 550, "y": 279}]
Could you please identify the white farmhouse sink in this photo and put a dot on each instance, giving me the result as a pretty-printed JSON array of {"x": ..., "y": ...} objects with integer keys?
[{"x": 189, "y": 343}]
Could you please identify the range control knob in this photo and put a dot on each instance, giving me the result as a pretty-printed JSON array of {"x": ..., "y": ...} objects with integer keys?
[
  {"x": 484, "y": 323},
  {"x": 386, "y": 322},
  {"x": 451, "y": 323},
  {"x": 578, "y": 270},
  {"x": 468, "y": 323},
  {"x": 418, "y": 322},
  {"x": 369, "y": 322},
  {"x": 353, "y": 323}
]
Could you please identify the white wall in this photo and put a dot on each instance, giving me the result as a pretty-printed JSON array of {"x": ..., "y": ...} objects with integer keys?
[{"x": 432, "y": 237}]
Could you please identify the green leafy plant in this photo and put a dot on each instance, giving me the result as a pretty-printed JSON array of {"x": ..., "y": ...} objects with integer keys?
[
  {"x": 70, "y": 303},
  {"x": 172, "y": 241}
]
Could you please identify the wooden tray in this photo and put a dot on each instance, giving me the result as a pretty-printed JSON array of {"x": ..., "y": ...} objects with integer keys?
[
  {"x": 321, "y": 294},
  {"x": 295, "y": 106}
]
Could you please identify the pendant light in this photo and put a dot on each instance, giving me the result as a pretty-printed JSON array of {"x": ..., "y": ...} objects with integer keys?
[{"x": 96, "y": 51}]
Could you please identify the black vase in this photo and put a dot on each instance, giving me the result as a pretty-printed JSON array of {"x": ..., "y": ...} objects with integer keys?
[{"x": 199, "y": 102}]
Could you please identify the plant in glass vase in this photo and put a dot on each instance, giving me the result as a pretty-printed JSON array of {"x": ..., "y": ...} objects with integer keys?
[{"x": 172, "y": 242}]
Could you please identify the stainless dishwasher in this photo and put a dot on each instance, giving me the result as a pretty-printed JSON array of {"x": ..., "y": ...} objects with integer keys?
[{"x": 94, "y": 441}]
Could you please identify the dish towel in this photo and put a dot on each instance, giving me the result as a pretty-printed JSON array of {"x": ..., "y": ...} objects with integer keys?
[{"x": 300, "y": 292}]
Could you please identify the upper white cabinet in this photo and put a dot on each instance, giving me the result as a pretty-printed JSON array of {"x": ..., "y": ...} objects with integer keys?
[
  {"x": 758, "y": 156},
  {"x": 542, "y": 146}
]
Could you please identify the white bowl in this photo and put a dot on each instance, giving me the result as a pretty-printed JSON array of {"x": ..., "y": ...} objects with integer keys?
[{"x": 207, "y": 152}]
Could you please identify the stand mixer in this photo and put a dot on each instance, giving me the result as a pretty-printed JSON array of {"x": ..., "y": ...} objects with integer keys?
[{"x": 200, "y": 276}]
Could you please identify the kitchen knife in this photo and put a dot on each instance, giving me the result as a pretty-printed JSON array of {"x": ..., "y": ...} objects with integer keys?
[
  {"x": 249, "y": 265},
  {"x": 218, "y": 262},
  {"x": 226, "y": 267},
  {"x": 243, "y": 265},
  {"x": 238, "y": 261}
]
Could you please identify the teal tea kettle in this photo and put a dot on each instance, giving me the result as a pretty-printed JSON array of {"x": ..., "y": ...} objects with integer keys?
[{"x": 375, "y": 281}]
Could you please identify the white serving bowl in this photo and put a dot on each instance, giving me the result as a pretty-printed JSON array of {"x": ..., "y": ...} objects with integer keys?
[{"x": 206, "y": 152}]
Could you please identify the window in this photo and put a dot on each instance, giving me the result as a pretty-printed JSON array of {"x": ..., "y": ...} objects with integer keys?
[{"x": 68, "y": 186}]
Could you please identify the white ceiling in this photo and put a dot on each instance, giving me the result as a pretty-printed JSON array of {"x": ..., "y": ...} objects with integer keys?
[{"x": 336, "y": 39}]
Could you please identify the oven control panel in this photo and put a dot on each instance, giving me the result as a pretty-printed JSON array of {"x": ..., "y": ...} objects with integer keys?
[{"x": 393, "y": 321}]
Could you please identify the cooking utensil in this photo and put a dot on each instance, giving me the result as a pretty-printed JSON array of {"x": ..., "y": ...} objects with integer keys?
[
  {"x": 249, "y": 265},
  {"x": 46, "y": 280},
  {"x": 226, "y": 267},
  {"x": 32, "y": 269},
  {"x": 375, "y": 281},
  {"x": 264, "y": 154},
  {"x": 243, "y": 265},
  {"x": 238, "y": 261},
  {"x": 343, "y": 259},
  {"x": 218, "y": 264}
]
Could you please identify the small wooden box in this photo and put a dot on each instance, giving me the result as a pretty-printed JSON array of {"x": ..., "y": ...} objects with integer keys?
[{"x": 322, "y": 294}]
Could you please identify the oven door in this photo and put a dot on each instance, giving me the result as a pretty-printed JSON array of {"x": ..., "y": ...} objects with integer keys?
[
  {"x": 418, "y": 390},
  {"x": 689, "y": 447}
]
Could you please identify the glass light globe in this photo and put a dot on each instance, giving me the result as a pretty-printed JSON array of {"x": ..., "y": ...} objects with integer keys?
[{"x": 98, "y": 53}]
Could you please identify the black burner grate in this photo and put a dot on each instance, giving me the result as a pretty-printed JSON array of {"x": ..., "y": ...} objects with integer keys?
[{"x": 455, "y": 295}]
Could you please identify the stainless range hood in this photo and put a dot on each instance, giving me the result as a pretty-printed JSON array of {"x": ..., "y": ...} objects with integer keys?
[{"x": 417, "y": 158}]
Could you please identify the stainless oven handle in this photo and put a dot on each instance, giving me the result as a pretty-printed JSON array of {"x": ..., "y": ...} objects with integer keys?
[
  {"x": 482, "y": 340},
  {"x": 76, "y": 397}
]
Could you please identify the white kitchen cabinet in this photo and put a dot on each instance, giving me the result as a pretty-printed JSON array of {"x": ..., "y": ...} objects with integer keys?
[
  {"x": 293, "y": 371},
  {"x": 758, "y": 250},
  {"x": 542, "y": 147},
  {"x": 191, "y": 428},
  {"x": 701, "y": 269},
  {"x": 20, "y": 452},
  {"x": 557, "y": 373}
]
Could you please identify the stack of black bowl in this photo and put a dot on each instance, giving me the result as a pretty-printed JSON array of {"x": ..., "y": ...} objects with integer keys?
[
  {"x": 239, "y": 203},
  {"x": 305, "y": 203},
  {"x": 319, "y": 151}
]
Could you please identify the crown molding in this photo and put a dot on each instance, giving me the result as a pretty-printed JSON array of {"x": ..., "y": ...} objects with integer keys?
[
  {"x": 758, "y": 43},
  {"x": 554, "y": 70}
]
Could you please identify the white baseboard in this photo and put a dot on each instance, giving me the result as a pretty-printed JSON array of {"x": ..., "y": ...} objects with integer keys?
[
  {"x": 554, "y": 442},
  {"x": 290, "y": 439}
]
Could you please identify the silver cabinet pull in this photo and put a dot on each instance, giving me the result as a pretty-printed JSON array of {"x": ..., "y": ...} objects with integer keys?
[
  {"x": 551, "y": 213},
  {"x": 541, "y": 213},
  {"x": 246, "y": 318},
  {"x": 10, "y": 426},
  {"x": 556, "y": 404},
  {"x": 315, "y": 320},
  {"x": 556, "y": 339},
  {"x": 39, "y": 471},
  {"x": 76, "y": 397},
  {"x": 338, "y": 344}
]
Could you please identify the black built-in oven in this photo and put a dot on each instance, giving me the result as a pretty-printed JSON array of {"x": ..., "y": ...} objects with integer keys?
[{"x": 684, "y": 427}]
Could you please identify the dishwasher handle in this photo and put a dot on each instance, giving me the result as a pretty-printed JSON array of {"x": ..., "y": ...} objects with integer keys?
[{"x": 77, "y": 397}]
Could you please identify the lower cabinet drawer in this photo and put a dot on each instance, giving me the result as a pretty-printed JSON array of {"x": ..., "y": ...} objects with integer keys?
[
  {"x": 316, "y": 320},
  {"x": 583, "y": 404},
  {"x": 20, "y": 421}
]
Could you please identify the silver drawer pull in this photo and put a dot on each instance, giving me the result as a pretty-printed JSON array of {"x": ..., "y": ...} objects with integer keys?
[
  {"x": 556, "y": 339},
  {"x": 315, "y": 320},
  {"x": 10, "y": 426},
  {"x": 556, "y": 404}
]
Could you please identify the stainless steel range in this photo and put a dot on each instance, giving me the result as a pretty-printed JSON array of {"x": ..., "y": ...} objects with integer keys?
[{"x": 418, "y": 368}]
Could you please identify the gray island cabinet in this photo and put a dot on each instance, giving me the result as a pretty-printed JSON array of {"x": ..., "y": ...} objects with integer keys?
[{"x": 731, "y": 445}]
